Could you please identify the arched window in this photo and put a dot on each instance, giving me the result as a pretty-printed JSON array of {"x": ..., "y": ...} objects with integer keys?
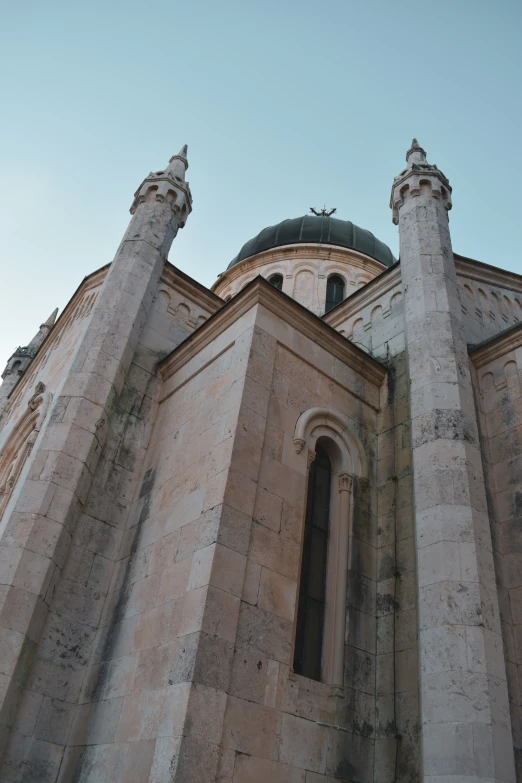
[
  {"x": 335, "y": 457},
  {"x": 312, "y": 586},
  {"x": 276, "y": 281},
  {"x": 334, "y": 291}
]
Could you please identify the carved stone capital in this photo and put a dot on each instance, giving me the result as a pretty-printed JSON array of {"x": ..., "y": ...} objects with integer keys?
[
  {"x": 345, "y": 482},
  {"x": 299, "y": 444},
  {"x": 311, "y": 457}
]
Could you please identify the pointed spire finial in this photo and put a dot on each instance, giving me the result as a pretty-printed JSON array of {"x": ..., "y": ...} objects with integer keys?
[
  {"x": 178, "y": 164},
  {"x": 415, "y": 154},
  {"x": 51, "y": 320}
]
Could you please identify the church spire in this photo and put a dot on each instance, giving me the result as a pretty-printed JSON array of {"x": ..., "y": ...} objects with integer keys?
[
  {"x": 44, "y": 330},
  {"x": 22, "y": 358},
  {"x": 160, "y": 184},
  {"x": 52, "y": 318},
  {"x": 178, "y": 164},
  {"x": 418, "y": 173},
  {"x": 415, "y": 154}
]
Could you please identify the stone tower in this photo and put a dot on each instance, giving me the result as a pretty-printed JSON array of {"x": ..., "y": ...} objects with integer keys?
[
  {"x": 465, "y": 722},
  {"x": 21, "y": 358},
  {"x": 55, "y": 481}
]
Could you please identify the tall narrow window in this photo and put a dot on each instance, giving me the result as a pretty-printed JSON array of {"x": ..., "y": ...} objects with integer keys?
[
  {"x": 334, "y": 292},
  {"x": 312, "y": 587},
  {"x": 276, "y": 281}
]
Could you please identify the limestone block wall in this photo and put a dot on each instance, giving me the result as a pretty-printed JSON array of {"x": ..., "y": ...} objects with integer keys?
[
  {"x": 54, "y": 724},
  {"x": 305, "y": 270},
  {"x": 318, "y": 733},
  {"x": 491, "y": 299},
  {"x": 189, "y": 677},
  {"x": 498, "y": 393}
]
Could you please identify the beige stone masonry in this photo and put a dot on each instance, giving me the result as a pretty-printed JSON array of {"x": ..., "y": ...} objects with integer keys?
[{"x": 202, "y": 604}]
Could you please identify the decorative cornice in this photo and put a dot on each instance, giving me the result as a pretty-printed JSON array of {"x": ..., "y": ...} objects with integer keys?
[
  {"x": 365, "y": 296},
  {"x": 313, "y": 251},
  {"x": 163, "y": 184},
  {"x": 498, "y": 346},
  {"x": 187, "y": 286},
  {"x": 484, "y": 273},
  {"x": 258, "y": 291}
]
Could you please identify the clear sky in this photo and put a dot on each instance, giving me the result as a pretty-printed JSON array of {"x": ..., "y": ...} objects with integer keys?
[{"x": 284, "y": 104}]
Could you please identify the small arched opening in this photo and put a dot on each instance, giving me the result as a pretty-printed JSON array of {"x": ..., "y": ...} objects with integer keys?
[
  {"x": 276, "y": 281},
  {"x": 334, "y": 292}
]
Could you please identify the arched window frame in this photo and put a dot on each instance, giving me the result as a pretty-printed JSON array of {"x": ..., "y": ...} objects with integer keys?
[
  {"x": 330, "y": 304},
  {"x": 348, "y": 461}
]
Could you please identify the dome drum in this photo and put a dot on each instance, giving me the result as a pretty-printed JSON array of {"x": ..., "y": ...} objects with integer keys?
[{"x": 316, "y": 230}]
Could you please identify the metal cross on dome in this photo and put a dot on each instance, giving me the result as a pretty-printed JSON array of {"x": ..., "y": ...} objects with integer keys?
[{"x": 323, "y": 212}]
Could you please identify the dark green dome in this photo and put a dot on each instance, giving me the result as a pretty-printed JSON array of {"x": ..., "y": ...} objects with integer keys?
[{"x": 317, "y": 230}]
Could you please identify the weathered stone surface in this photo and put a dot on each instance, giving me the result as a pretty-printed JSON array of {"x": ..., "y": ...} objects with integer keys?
[{"x": 153, "y": 492}]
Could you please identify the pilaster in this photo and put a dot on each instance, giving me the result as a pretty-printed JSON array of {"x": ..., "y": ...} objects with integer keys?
[{"x": 465, "y": 722}]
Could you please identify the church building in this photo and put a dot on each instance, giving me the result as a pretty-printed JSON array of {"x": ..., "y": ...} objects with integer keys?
[{"x": 271, "y": 531}]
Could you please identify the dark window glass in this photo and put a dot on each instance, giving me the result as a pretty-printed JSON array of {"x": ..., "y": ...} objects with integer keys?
[
  {"x": 312, "y": 587},
  {"x": 334, "y": 291},
  {"x": 276, "y": 281}
]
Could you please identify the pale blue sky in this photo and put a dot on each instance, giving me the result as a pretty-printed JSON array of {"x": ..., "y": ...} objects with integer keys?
[{"x": 285, "y": 104}]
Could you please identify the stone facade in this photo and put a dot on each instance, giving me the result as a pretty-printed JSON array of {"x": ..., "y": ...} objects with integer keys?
[{"x": 155, "y": 452}]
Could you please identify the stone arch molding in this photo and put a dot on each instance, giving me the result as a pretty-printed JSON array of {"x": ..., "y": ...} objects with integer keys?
[
  {"x": 19, "y": 445},
  {"x": 322, "y": 421}
]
